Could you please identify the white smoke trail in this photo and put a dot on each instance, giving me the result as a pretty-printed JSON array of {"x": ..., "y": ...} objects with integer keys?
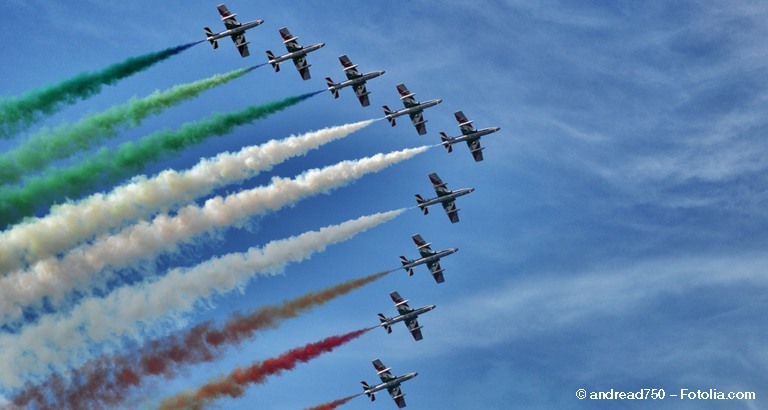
[
  {"x": 98, "y": 324},
  {"x": 72, "y": 223},
  {"x": 54, "y": 279}
]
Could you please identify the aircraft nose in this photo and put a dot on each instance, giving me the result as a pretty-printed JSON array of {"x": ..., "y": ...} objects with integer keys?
[{"x": 322, "y": 45}]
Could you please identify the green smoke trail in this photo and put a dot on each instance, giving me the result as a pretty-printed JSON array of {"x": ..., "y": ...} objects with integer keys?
[
  {"x": 18, "y": 113},
  {"x": 49, "y": 145},
  {"x": 111, "y": 165}
]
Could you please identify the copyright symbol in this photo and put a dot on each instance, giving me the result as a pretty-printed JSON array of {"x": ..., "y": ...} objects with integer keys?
[{"x": 581, "y": 394}]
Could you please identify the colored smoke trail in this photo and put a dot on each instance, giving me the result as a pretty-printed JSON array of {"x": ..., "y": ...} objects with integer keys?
[
  {"x": 48, "y": 145},
  {"x": 152, "y": 308},
  {"x": 104, "y": 382},
  {"x": 71, "y": 223},
  {"x": 52, "y": 280},
  {"x": 111, "y": 165},
  {"x": 332, "y": 404},
  {"x": 18, "y": 113},
  {"x": 235, "y": 383}
]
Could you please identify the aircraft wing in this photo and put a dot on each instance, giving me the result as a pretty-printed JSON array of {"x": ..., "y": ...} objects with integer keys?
[
  {"x": 451, "y": 210},
  {"x": 397, "y": 396},
  {"x": 400, "y": 303},
  {"x": 440, "y": 187},
  {"x": 349, "y": 69},
  {"x": 383, "y": 371},
  {"x": 436, "y": 269},
  {"x": 228, "y": 18},
  {"x": 241, "y": 44},
  {"x": 476, "y": 149},
  {"x": 414, "y": 328},
  {"x": 362, "y": 94},
  {"x": 406, "y": 96},
  {"x": 289, "y": 40},
  {"x": 423, "y": 246},
  {"x": 301, "y": 65},
  {"x": 418, "y": 121},
  {"x": 465, "y": 125}
]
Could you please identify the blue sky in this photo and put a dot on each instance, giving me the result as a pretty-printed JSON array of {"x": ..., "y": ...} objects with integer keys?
[{"x": 616, "y": 237}]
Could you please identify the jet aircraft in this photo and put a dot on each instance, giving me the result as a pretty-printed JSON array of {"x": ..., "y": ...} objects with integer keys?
[
  {"x": 412, "y": 108},
  {"x": 389, "y": 382},
  {"x": 445, "y": 197},
  {"x": 428, "y": 257},
  {"x": 296, "y": 53},
  {"x": 469, "y": 134},
  {"x": 233, "y": 29},
  {"x": 354, "y": 79},
  {"x": 407, "y": 315}
]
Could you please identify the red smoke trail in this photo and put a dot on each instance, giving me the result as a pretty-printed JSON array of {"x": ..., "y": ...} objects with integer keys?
[
  {"x": 234, "y": 385},
  {"x": 104, "y": 382},
  {"x": 332, "y": 404}
]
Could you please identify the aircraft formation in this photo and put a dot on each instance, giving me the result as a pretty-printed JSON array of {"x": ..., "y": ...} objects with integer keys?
[{"x": 445, "y": 197}]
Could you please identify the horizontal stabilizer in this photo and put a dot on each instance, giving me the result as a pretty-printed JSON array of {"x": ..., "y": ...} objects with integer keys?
[
  {"x": 384, "y": 322},
  {"x": 366, "y": 387},
  {"x": 447, "y": 141}
]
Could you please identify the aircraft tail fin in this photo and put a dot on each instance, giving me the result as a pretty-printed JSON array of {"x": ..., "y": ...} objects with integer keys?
[
  {"x": 209, "y": 33},
  {"x": 420, "y": 201},
  {"x": 383, "y": 320},
  {"x": 446, "y": 141},
  {"x": 333, "y": 90},
  {"x": 366, "y": 387},
  {"x": 405, "y": 263},
  {"x": 271, "y": 56},
  {"x": 387, "y": 112}
]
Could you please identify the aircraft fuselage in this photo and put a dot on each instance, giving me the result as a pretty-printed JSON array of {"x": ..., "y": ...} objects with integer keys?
[
  {"x": 410, "y": 315},
  {"x": 391, "y": 384},
  {"x": 296, "y": 54},
  {"x": 415, "y": 109},
  {"x": 432, "y": 258},
  {"x": 237, "y": 30},
  {"x": 474, "y": 135},
  {"x": 363, "y": 78},
  {"x": 445, "y": 198}
]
